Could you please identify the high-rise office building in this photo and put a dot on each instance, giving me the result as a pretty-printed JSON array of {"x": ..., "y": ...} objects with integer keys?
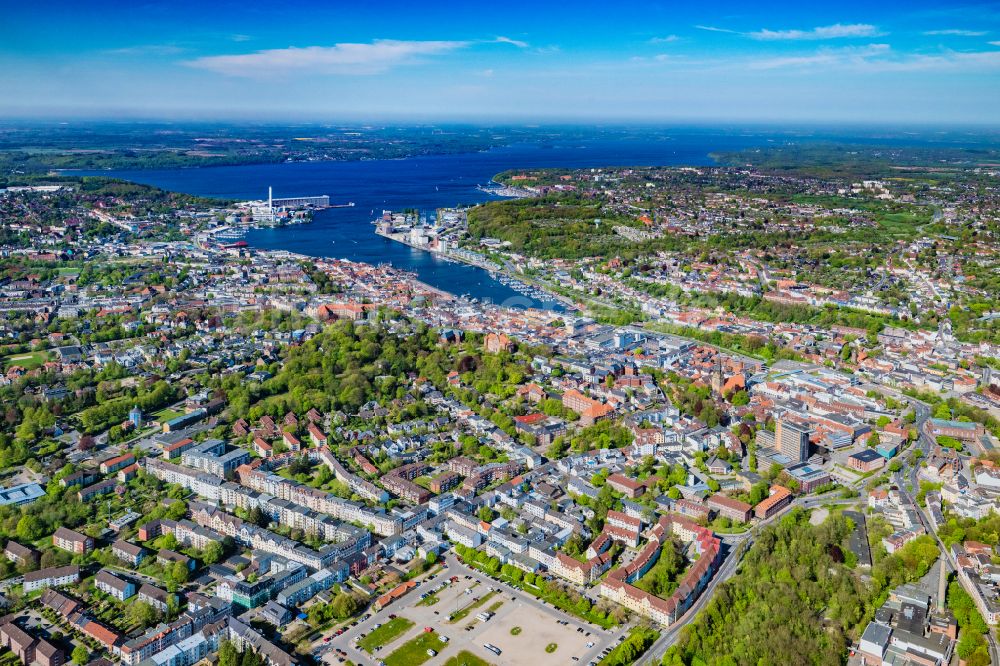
[{"x": 792, "y": 440}]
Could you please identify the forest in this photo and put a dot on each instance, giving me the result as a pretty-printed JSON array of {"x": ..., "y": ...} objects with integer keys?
[
  {"x": 564, "y": 227},
  {"x": 795, "y": 600}
]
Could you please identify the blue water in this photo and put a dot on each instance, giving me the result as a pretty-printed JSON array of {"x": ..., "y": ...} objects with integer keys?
[{"x": 426, "y": 183}]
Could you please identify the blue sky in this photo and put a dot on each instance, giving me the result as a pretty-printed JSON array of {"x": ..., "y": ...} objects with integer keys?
[{"x": 887, "y": 62}]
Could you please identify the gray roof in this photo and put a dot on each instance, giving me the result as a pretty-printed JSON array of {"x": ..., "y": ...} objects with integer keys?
[{"x": 877, "y": 634}]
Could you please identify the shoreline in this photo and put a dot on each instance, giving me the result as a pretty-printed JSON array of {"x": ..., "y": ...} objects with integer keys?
[{"x": 559, "y": 299}]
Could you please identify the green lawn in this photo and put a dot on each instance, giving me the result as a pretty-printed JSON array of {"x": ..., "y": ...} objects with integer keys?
[
  {"x": 429, "y": 601},
  {"x": 165, "y": 415},
  {"x": 385, "y": 634},
  {"x": 466, "y": 658},
  {"x": 28, "y": 361},
  {"x": 8, "y": 659},
  {"x": 462, "y": 613},
  {"x": 414, "y": 652}
]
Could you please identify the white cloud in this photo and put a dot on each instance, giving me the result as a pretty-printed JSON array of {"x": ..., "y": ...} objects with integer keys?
[
  {"x": 826, "y": 57},
  {"x": 996, "y": 43},
  {"x": 957, "y": 32},
  {"x": 712, "y": 28},
  {"x": 147, "y": 49},
  {"x": 835, "y": 31},
  {"x": 869, "y": 59},
  {"x": 515, "y": 42},
  {"x": 664, "y": 40},
  {"x": 873, "y": 59},
  {"x": 345, "y": 58}
]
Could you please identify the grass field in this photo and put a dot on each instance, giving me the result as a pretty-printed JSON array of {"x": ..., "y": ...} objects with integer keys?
[
  {"x": 28, "y": 361},
  {"x": 429, "y": 601},
  {"x": 466, "y": 658},
  {"x": 385, "y": 634},
  {"x": 463, "y": 612},
  {"x": 166, "y": 414},
  {"x": 414, "y": 651}
]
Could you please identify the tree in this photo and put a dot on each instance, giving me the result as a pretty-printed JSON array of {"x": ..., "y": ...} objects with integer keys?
[
  {"x": 257, "y": 516},
  {"x": 344, "y": 605},
  {"x": 179, "y": 573},
  {"x": 758, "y": 493},
  {"x": 740, "y": 398},
  {"x": 251, "y": 658},
  {"x": 143, "y": 614},
  {"x": 211, "y": 554},
  {"x": 81, "y": 655},
  {"x": 228, "y": 655},
  {"x": 29, "y": 528}
]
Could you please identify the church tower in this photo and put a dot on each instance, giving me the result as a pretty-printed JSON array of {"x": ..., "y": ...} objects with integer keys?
[{"x": 717, "y": 375}]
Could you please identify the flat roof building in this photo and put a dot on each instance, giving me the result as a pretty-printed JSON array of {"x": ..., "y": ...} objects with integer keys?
[{"x": 792, "y": 440}]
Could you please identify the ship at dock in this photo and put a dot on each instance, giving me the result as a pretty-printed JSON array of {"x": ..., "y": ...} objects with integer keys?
[{"x": 288, "y": 210}]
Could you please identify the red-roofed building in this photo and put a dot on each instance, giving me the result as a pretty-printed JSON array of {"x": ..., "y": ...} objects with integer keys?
[
  {"x": 730, "y": 508},
  {"x": 115, "y": 464},
  {"x": 780, "y": 498},
  {"x": 393, "y": 594},
  {"x": 291, "y": 441},
  {"x": 317, "y": 436},
  {"x": 498, "y": 342},
  {"x": 628, "y": 487},
  {"x": 262, "y": 447}
]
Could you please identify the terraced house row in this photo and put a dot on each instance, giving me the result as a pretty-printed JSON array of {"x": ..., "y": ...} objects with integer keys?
[{"x": 257, "y": 475}]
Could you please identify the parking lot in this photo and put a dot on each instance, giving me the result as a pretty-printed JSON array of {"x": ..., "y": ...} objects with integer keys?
[
  {"x": 537, "y": 630},
  {"x": 539, "y": 625}
]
